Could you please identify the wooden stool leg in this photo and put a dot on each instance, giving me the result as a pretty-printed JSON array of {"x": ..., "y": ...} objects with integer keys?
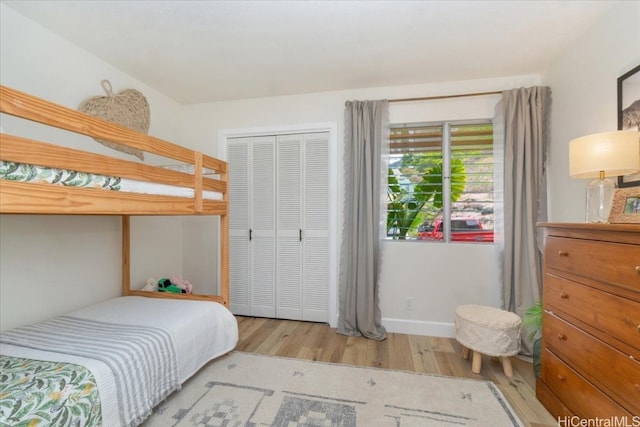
[
  {"x": 465, "y": 352},
  {"x": 506, "y": 367},
  {"x": 477, "y": 362}
]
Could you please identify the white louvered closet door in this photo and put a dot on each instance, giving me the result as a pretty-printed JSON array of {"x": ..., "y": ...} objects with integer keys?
[
  {"x": 289, "y": 225},
  {"x": 252, "y": 226},
  {"x": 238, "y": 171},
  {"x": 315, "y": 218},
  {"x": 302, "y": 223}
]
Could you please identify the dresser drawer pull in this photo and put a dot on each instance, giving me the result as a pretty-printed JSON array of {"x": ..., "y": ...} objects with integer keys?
[
  {"x": 562, "y": 337},
  {"x": 564, "y": 295},
  {"x": 637, "y": 268},
  {"x": 561, "y": 377},
  {"x": 563, "y": 253}
]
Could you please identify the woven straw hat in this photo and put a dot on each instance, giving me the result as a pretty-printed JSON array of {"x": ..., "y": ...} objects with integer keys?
[{"x": 128, "y": 108}]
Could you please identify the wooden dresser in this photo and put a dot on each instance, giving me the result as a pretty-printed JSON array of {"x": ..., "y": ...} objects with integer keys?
[{"x": 591, "y": 323}]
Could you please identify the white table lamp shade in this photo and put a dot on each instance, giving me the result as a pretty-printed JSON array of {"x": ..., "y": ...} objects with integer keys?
[{"x": 614, "y": 153}]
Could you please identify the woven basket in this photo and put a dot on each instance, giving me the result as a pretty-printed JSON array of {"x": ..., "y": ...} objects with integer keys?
[{"x": 128, "y": 108}]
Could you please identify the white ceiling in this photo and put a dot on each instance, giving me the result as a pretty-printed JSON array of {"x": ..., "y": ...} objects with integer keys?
[{"x": 205, "y": 51}]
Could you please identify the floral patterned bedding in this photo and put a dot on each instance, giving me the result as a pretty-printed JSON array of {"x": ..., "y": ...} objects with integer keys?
[
  {"x": 22, "y": 172},
  {"x": 39, "y": 393}
]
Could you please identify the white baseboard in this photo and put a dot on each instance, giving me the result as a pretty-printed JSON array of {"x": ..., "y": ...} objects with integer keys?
[{"x": 419, "y": 327}]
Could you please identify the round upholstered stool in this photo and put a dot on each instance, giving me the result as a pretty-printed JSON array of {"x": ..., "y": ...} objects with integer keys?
[{"x": 490, "y": 331}]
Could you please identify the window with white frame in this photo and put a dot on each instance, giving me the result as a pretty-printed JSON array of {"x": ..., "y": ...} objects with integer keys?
[{"x": 441, "y": 182}]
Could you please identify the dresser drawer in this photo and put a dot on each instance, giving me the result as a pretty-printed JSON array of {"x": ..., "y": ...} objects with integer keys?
[
  {"x": 610, "y": 370},
  {"x": 614, "y": 315},
  {"x": 614, "y": 263},
  {"x": 579, "y": 395}
]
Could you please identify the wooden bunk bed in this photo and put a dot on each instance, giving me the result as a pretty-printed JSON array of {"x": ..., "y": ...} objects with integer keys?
[{"x": 205, "y": 195}]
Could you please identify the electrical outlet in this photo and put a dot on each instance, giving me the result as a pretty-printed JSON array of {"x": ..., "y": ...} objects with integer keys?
[{"x": 408, "y": 303}]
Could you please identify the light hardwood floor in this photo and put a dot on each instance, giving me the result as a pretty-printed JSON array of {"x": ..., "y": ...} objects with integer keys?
[{"x": 432, "y": 355}]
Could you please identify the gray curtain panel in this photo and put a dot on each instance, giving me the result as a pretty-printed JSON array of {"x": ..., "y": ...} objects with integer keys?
[
  {"x": 525, "y": 115},
  {"x": 365, "y": 134}
]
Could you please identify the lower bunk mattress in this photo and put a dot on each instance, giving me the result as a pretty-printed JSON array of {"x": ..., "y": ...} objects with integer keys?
[{"x": 110, "y": 363}]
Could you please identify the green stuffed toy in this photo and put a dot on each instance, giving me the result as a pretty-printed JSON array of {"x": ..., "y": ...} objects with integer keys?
[{"x": 165, "y": 285}]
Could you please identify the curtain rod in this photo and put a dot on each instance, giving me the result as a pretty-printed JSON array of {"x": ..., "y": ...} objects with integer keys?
[{"x": 462, "y": 95}]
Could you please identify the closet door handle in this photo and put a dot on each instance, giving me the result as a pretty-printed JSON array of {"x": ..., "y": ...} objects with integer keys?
[
  {"x": 250, "y": 234},
  {"x": 301, "y": 234}
]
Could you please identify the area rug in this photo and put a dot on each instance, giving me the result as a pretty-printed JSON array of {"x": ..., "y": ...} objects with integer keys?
[{"x": 250, "y": 390}]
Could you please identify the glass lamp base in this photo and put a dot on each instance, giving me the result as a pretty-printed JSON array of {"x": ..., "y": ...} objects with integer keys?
[{"x": 599, "y": 199}]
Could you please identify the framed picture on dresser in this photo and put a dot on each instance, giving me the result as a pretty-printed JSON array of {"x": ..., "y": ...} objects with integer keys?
[
  {"x": 625, "y": 208},
  {"x": 629, "y": 114}
]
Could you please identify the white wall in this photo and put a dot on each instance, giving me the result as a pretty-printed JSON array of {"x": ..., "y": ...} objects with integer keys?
[
  {"x": 437, "y": 277},
  {"x": 51, "y": 264},
  {"x": 583, "y": 85}
]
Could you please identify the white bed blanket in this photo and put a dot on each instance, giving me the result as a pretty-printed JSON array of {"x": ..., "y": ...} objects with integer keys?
[
  {"x": 201, "y": 331},
  {"x": 142, "y": 358}
]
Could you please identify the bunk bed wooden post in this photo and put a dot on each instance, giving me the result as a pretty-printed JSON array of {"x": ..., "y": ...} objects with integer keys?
[
  {"x": 224, "y": 246},
  {"x": 197, "y": 185},
  {"x": 126, "y": 255}
]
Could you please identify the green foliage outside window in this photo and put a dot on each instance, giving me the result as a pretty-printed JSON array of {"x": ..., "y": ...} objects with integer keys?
[{"x": 406, "y": 208}]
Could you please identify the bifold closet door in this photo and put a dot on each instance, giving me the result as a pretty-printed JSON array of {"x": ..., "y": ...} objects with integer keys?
[
  {"x": 315, "y": 216},
  {"x": 302, "y": 227},
  {"x": 252, "y": 226}
]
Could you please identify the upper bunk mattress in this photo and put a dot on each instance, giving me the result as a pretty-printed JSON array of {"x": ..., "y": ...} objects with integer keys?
[{"x": 22, "y": 172}]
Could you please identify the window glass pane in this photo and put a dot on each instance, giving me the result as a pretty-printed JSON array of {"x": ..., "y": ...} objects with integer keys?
[
  {"x": 415, "y": 182},
  {"x": 472, "y": 164},
  {"x": 415, "y": 179}
]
